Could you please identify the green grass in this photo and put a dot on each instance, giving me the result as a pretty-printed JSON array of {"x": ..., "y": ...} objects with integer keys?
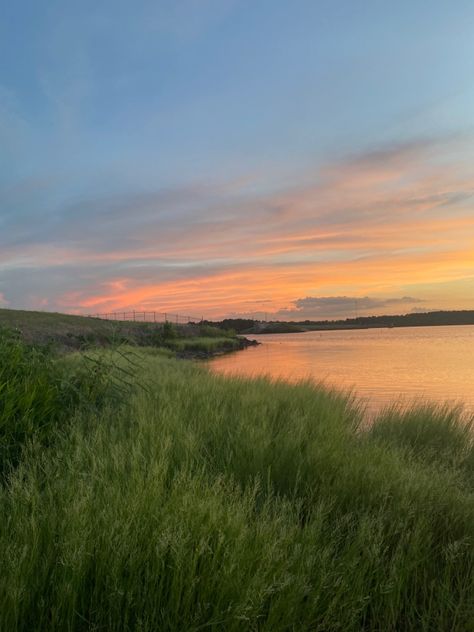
[
  {"x": 199, "y": 502},
  {"x": 29, "y": 397},
  {"x": 432, "y": 434},
  {"x": 65, "y": 332},
  {"x": 39, "y": 392},
  {"x": 204, "y": 344}
]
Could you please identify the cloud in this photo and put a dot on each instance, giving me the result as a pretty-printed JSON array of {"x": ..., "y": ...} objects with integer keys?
[
  {"x": 3, "y": 300},
  {"x": 322, "y": 307},
  {"x": 369, "y": 225}
]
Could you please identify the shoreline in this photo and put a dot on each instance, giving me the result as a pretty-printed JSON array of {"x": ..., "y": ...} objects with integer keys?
[
  {"x": 355, "y": 328},
  {"x": 192, "y": 354}
]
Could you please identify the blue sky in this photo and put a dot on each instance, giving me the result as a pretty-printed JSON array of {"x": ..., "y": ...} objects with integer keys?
[{"x": 149, "y": 145}]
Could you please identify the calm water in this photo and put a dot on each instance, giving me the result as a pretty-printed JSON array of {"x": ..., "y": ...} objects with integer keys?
[{"x": 381, "y": 365}]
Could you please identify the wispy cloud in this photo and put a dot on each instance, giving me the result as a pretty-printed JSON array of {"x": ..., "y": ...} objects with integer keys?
[{"x": 367, "y": 226}]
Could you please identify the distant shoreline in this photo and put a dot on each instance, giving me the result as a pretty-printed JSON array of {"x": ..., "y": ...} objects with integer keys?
[
  {"x": 362, "y": 327},
  {"x": 247, "y": 326}
]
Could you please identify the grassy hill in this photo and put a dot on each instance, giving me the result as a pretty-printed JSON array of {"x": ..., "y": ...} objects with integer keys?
[{"x": 66, "y": 332}]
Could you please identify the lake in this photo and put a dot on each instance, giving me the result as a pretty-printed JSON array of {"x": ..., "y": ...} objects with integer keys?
[{"x": 382, "y": 366}]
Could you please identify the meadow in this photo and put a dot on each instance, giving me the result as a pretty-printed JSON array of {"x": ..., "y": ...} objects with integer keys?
[{"x": 141, "y": 492}]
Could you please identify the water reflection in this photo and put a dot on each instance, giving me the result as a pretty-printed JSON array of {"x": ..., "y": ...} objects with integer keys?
[{"x": 381, "y": 365}]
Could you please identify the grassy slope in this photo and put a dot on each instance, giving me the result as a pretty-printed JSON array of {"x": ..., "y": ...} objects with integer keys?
[
  {"x": 39, "y": 326},
  {"x": 197, "y": 501},
  {"x": 68, "y": 332}
]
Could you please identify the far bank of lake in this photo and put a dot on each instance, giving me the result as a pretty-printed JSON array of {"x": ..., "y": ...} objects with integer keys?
[{"x": 382, "y": 365}]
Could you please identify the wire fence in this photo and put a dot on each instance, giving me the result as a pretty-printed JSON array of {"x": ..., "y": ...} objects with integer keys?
[{"x": 148, "y": 317}]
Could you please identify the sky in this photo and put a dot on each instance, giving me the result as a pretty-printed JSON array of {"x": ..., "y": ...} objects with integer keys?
[{"x": 263, "y": 158}]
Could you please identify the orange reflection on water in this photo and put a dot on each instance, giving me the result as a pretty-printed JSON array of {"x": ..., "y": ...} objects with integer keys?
[{"x": 382, "y": 366}]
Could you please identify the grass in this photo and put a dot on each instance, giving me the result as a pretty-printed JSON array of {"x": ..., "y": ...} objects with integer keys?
[
  {"x": 29, "y": 397},
  {"x": 205, "y": 344},
  {"x": 198, "y": 502},
  {"x": 432, "y": 434},
  {"x": 65, "y": 332},
  {"x": 39, "y": 392}
]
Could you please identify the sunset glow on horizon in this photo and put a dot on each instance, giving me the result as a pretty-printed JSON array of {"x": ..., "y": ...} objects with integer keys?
[{"x": 298, "y": 160}]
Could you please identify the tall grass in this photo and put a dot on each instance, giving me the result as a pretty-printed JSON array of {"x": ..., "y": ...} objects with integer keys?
[
  {"x": 38, "y": 393},
  {"x": 209, "y": 503},
  {"x": 433, "y": 434},
  {"x": 30, "y": 397}
]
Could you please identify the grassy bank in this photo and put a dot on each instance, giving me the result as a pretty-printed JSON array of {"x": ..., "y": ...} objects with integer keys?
[
  {"x": 152, "y": 495},
  {"x": 64, "y": 332}
]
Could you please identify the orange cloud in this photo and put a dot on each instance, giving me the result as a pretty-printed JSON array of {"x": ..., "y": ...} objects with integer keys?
[
  {"x": 219, "y": 294},
  {"x": 374, "y": 225}
]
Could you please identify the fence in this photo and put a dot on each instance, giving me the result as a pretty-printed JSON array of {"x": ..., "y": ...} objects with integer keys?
[{"x": 148, "y": 317}]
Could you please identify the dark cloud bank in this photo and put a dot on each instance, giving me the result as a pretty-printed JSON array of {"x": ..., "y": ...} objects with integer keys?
[{"x": 322, "y": 307}]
